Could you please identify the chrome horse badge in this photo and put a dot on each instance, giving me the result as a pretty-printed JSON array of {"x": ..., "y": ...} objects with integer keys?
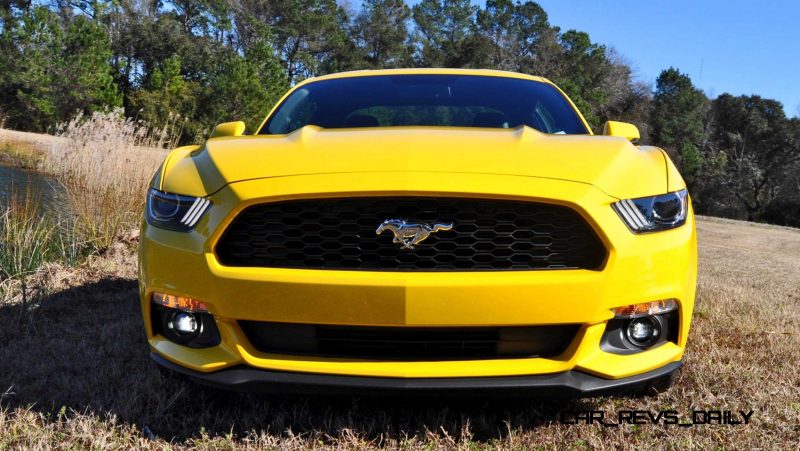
[{"x": 409, "y": 235}]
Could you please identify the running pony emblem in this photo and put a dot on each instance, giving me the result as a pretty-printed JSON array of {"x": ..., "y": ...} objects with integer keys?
[{"x": 408, "y": 234}]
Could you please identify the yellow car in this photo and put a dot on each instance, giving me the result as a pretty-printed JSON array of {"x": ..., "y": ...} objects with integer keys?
[{"x": 428, "y": 230}]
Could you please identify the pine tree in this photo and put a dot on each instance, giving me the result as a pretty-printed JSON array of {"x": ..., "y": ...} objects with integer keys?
[{"x": 677, "y": 121}]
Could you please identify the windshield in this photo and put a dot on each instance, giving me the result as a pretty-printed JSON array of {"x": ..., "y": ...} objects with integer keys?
[{"x": 427, "y": 100}]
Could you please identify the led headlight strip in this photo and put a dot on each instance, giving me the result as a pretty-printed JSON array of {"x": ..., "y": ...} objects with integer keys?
[
  {"x": 635, "y": 219},
  {"x": 195, "y": 212}
]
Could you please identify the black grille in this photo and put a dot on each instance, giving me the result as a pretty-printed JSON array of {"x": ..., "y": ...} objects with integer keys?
[
  {"x": 409, "y": 343},
  {"x": 340, "y": 234}
]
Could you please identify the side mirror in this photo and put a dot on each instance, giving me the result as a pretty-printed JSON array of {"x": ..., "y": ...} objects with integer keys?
[
  {"x": 228, "y": 129},
  {"x": 622, "y": 129}
]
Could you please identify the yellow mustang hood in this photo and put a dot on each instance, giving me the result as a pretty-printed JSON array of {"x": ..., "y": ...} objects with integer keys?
[{"x": 612, "y": 164}]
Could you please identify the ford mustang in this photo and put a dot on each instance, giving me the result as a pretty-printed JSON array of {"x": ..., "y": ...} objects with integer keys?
[{"x": 420, "y": 230}]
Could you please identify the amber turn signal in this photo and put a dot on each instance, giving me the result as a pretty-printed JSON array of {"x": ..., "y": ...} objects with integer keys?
[
  {"x": 179, "y": 302},
  {"x": 646, "y": 309}
]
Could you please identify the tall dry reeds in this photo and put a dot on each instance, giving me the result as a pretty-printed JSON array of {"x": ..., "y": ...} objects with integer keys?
[
  {"x": 30, "y": 238},
  {"x": 105, "y": 162}
]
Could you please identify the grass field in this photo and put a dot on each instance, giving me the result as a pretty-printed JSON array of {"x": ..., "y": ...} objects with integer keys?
[{"x": 75, "y": 373}]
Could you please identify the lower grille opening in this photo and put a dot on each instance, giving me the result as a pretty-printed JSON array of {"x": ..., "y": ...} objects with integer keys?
[{"x": 410, "y": 343}]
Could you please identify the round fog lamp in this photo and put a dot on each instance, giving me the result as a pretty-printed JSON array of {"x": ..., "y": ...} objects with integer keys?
[
  {"x": 643, "y": 332},
  {"x": 183, "y": 323}
]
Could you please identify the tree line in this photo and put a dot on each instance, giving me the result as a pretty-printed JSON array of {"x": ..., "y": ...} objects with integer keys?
[{"x": 199, "y": 62}]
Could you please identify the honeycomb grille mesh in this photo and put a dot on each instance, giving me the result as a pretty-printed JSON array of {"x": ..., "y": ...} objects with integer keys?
[{"x": 340, "y": 234}]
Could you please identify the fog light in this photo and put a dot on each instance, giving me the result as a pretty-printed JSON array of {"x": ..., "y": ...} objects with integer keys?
[
  {"x": 193, "y": 329},
  {"x": 183, "y": 323},
  {"x": 643, "y": 332}
]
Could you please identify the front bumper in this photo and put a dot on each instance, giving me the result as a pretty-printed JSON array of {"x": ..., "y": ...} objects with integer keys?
[
  {"x": 569, "y": 384},
  {"x": 639, "y": 268}
]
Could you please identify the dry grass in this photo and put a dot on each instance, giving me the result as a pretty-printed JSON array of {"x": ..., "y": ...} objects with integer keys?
[
  {"x": 76, "y": 368},
  {"x": 29, "y": 240},
  {"x": 25, "y": 149},
  {"x": 104, "y": 161},
  {"x": 21, "y": 153}
]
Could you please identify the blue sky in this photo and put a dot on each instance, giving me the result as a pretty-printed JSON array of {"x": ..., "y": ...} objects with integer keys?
[
  {"x": 725, "y": 46},
  {"x": 735, "y": 46}
]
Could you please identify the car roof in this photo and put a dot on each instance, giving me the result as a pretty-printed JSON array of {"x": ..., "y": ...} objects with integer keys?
[{"x": 426, "y": 71}]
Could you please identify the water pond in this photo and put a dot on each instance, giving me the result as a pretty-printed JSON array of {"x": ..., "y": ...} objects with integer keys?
[{"x": 46, "y": 190}]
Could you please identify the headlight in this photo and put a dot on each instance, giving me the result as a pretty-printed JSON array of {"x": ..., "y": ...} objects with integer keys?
[
  {"x": 174, "y": 212},
  {"x": 650, "y": 214}
]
